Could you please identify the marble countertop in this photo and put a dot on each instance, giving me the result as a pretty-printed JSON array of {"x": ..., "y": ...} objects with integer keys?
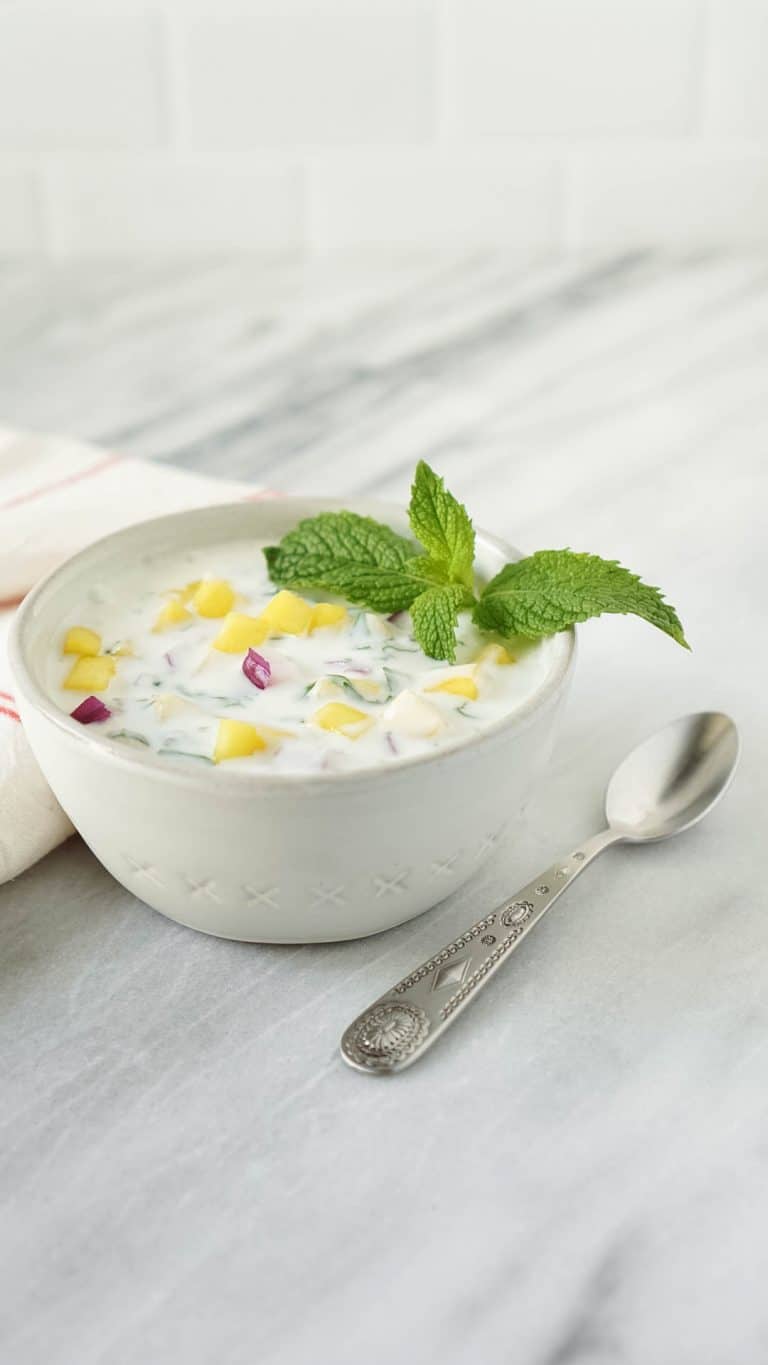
[{"x": 578, "y": 1173}]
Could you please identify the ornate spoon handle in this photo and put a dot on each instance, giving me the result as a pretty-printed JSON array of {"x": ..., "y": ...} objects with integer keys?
[{"x": 399, "y": 1027}]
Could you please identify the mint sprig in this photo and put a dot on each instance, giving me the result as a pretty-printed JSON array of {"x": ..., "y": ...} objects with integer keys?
[{"x": 369, "y": 564}]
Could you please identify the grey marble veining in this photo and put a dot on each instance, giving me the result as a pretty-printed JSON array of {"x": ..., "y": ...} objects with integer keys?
[{"x": 578, "y": 1173}]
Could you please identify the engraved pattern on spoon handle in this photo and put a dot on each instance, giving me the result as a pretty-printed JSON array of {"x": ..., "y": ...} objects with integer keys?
[{"x": 399, "y": 1027}]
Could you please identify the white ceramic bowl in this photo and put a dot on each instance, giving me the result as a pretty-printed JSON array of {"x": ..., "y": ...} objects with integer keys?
[{"x": 275, "y": 858}]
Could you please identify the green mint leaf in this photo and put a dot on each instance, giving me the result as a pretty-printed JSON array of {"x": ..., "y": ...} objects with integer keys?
[
  {"x": 435, "y": 615},
  {"x": 431, "y": 570},
  {"x": 442, "y": 525},
  {"x": 353, "y": 556},
  {"x": 271, "y": 554},
  {"x": 436, "y": 575},
  {"x": 553, "y": 589}
]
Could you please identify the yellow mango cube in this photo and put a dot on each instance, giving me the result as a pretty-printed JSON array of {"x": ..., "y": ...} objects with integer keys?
[
  {"x": 343, "y": 719},
  {"x": 186, "y": 593},
  {"x": 81, "y": 641},
  {"x": 237, "y": 739},
  {"x": 456, "y": 687},
  {"x": 287, "y": 614},
  {"x": 172, "y": 614},
  {"x": 213, "y": 597},
  {"x": 274, "y": 734},
  {"x": 91, "y": 673},
  {"x": 327, "y": 614},
  {"x": 495, "y": 654},
  {"x": 240, "y": 632}
]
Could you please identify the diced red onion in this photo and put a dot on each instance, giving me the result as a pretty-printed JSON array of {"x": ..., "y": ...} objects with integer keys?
[
  {"x": 169, "y": 659},
  {"x": 90, "y": 710},
  {"x": 257, "y": 669}
]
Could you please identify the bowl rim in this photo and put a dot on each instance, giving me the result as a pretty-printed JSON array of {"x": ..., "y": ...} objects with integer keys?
[{"x": 218, "y": 776}]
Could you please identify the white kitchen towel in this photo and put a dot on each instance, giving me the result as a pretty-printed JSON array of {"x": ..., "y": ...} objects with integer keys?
[{"x": 56, "y": 496}]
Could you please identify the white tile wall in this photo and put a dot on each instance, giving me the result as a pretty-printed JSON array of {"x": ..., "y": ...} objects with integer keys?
[
  {"x": 424, "y": 199},
  {"x": 96, "y": 208},
  {"x": 79, "y": 79},
  {"x": 574, "y": 67},
  {"x": 184, "y": 125},
  {"x": 359, "y": 75},
  {"x": 670, "y": 195},
  {"x": 21, "y": 217},
  {"x": 737, "y": 68}
]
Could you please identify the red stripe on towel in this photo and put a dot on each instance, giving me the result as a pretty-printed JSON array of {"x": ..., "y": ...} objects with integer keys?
[
  {"x": 6, "y": 711},
  {"x": 8, "y": 696},
  {"x": 61, "y": 483}
]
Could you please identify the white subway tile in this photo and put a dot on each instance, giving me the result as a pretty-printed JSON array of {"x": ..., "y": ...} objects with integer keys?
[
  {"x": 309, "y": 78},
  {"x": 424, "y": 199},
  {"x": 603, "y": 67},
  {"x": 162, "y": 207},
  {"x": 79, "y": 79},
  {"x": 684, "y": 196},
  {"x": 736, "y": 85},
  {"x": 21, "y": 221}
]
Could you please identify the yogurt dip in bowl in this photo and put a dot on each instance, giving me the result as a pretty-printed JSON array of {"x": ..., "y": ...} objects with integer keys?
[{"x": 269, "y": 765}]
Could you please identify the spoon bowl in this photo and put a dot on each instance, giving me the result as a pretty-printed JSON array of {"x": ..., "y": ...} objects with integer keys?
[{"x": 671, "y": 780}]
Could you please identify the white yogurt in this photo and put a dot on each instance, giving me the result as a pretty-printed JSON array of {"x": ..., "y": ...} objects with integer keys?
[{"x": 173, "y": 689}]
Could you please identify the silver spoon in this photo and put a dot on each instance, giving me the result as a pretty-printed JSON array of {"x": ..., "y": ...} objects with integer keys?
[{"x": 664, "y": 786}]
